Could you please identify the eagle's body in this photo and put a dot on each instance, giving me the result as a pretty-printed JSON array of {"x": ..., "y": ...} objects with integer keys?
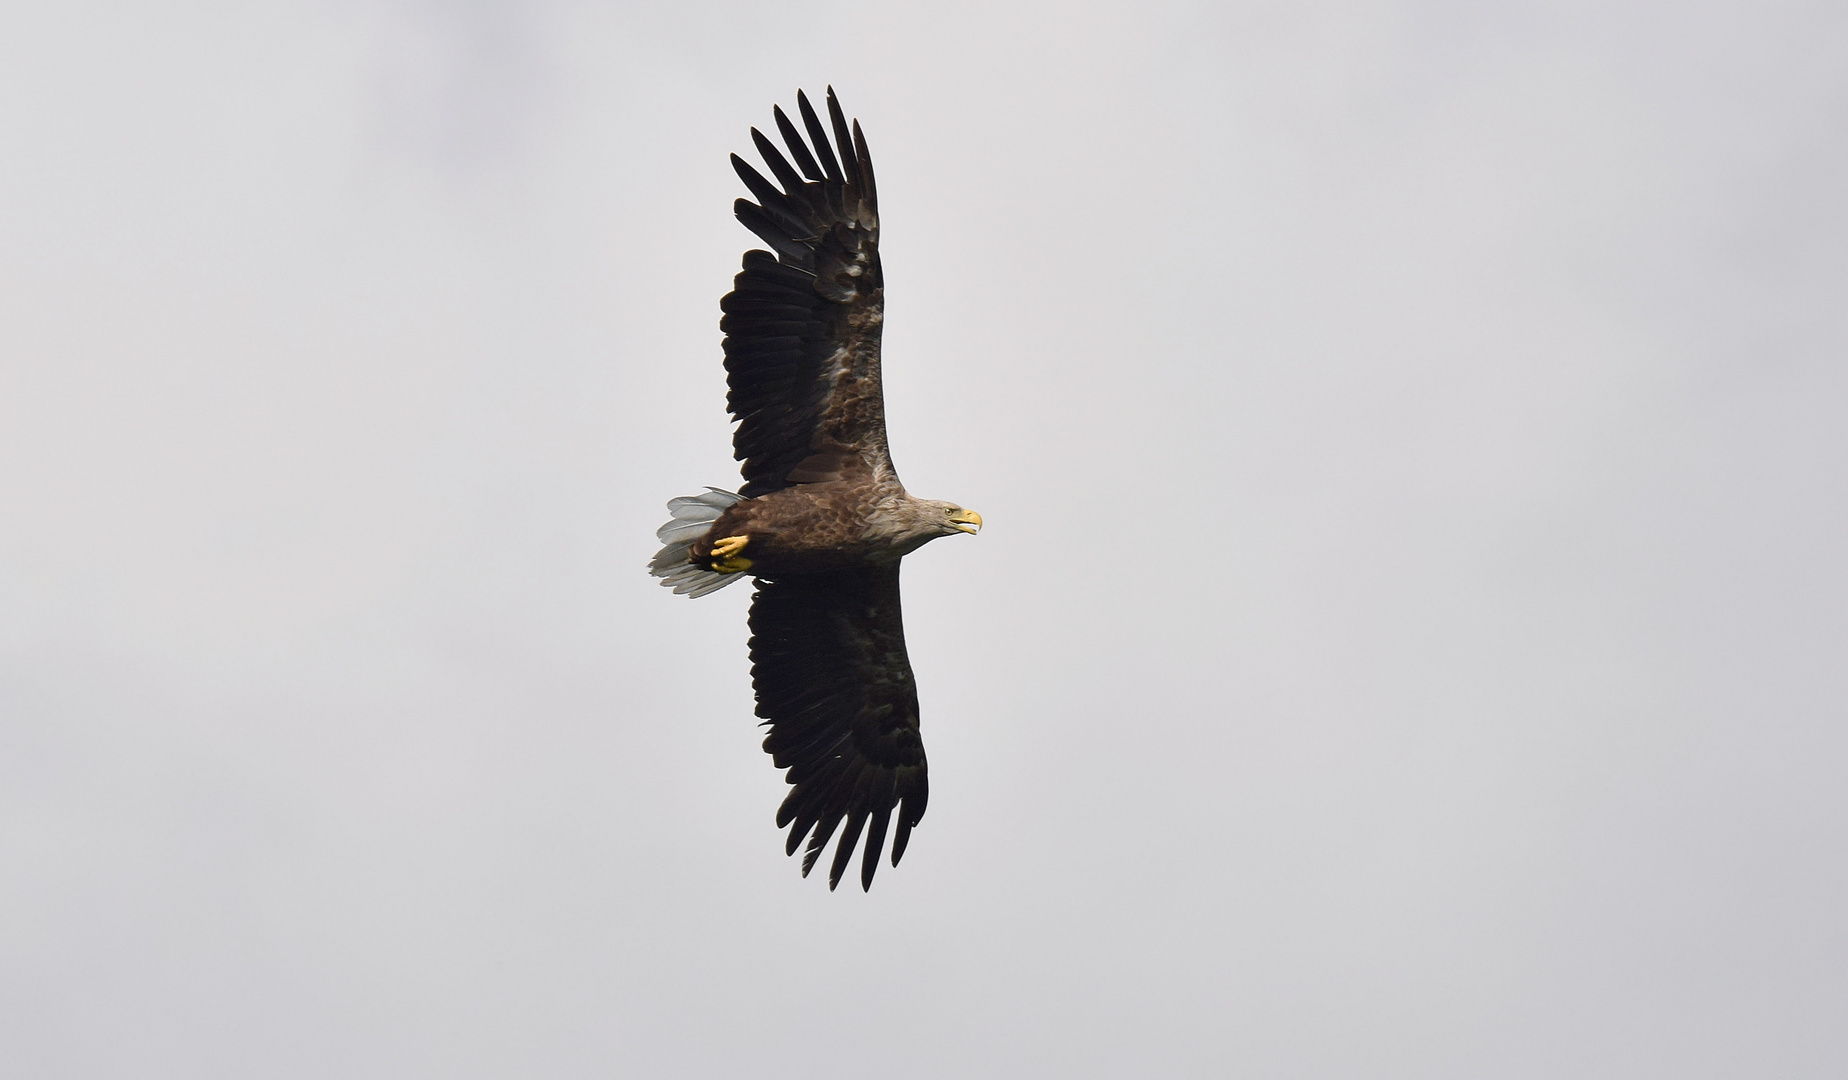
[
  {"x": 822, "y": 520},
  {"x": 832, "y": 526}
]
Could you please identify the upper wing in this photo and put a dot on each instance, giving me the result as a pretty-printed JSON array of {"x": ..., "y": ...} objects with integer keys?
[
  {"x": 802, "y": 326},
  {"x": 833, "y": 681}
]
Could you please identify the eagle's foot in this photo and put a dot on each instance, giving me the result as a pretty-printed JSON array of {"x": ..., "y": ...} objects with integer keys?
[{"x": 725, "y": 557}]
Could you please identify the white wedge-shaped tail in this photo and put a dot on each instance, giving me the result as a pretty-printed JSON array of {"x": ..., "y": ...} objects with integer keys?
[{"x": 693, "y": 515}]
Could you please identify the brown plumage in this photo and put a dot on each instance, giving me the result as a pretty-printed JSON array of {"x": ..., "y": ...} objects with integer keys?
[{"x": 822, "y": 520}]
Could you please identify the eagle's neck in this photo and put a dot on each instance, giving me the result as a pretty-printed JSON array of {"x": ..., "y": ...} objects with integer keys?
[{"x": 898, "y": 525}]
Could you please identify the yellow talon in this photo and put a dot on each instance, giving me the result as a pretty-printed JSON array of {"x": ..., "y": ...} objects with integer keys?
[{"x": 725, "y": 557}]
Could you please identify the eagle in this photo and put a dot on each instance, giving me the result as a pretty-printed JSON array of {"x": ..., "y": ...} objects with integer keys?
[{"x": 821, "y": 522}]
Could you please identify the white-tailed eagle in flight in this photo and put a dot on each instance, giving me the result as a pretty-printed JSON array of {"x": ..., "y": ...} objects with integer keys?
[{"x": 822, "y": 521}]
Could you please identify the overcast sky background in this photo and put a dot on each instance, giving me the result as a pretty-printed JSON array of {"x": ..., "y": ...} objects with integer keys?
[{"x": 1410, "y": 638}]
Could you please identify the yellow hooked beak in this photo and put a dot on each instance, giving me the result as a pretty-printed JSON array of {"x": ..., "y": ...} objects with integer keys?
[{"x": 967, "y": 521}]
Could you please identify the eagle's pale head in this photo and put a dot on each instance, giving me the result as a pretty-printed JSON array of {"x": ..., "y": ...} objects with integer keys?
[
  {"x": 948, "y": 519},
  {"x": 911, "y": 523}
]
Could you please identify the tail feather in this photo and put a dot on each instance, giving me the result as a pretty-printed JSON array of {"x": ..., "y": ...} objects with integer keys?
[{"x": 693, "y": 515}]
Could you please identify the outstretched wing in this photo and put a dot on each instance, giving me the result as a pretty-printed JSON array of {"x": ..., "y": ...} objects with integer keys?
[
  {"x": 835, "y": 686},
  {"x": 802, "y": 325}
]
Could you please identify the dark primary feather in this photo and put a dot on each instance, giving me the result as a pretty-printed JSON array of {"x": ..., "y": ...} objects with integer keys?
[
  {"x": 849, "y": 164},
  {"x": 820, "y": 136},
  {"x": 866, "y": 164},
  {"x": 802, "y": 325},
  {"x": 797, "y": 146},
  {"x": 835, "y": 685}
]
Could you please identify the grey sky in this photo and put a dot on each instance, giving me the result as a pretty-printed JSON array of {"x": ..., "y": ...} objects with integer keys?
[{"x": 1408, "y": 639}]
